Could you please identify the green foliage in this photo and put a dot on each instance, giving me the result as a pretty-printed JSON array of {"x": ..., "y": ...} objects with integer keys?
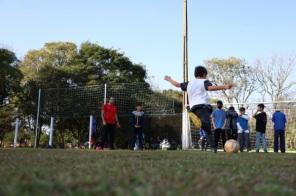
[
  {"x": 10, "y": 76},
  {"x": 10, "y": 88},
  {"x": 63, "y": 65}
]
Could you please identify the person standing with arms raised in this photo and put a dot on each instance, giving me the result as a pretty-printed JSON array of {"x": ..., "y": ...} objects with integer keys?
[{"x": 198, "y": 97}]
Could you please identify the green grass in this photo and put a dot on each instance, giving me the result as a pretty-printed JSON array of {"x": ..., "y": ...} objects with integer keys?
[{"x": 83, "y": 172}]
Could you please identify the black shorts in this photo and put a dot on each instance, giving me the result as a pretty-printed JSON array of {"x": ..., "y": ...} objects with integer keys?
[{"x": 203, "y": 112}]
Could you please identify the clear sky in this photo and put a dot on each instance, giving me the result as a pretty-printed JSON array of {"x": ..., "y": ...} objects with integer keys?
[{"x": 150, "y": 31}]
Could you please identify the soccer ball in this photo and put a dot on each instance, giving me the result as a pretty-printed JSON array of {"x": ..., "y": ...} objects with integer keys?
[
  {"x": 164, "y": 145},
  {"x": 231, "y": 146}
]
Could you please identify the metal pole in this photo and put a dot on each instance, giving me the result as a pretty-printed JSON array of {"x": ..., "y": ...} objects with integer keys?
[
  {"x": 186, "y": 136},
  {"x": 16, "y": 130},
  {"x": 90, "y": 130},
  {"x": 37, "y": 118},
  {"x": 185, "y": 53},
  {"x": 105, "y": 94},
  {"x": 51, "y": 131}
]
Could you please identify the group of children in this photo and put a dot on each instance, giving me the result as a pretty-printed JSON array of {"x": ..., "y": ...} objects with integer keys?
[
  {"x": 236, "y": 125},
  {"x": 227, "y": 124},
  {"x": 110, "y": 122}
]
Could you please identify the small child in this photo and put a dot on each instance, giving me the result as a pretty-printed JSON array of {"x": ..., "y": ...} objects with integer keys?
[
  {"x": 261, "y": 121},
  {"x": 198, "y": 97},
  {"x": 138, "y": 125},
  {"x": 218, "y": 121},
  {"x": 243, "y": 129},
  {"x": 230, "y": 125}
]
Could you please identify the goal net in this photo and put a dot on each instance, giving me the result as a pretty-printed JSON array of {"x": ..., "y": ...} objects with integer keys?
[
  {"x": 78, "y": 110},
  {"x": 80, "y": 102}
]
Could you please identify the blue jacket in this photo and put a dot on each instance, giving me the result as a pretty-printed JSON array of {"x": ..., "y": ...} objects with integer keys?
[
  {"x": 243, "y": 122},
  {"x": 138, "y": 118},
  {"x": 279, "y": 120}
]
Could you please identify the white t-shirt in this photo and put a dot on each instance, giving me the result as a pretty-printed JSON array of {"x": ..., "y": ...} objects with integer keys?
[{"x": 197, "y": 91}]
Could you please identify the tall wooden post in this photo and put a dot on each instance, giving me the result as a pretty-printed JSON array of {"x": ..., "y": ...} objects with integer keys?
[{"x": 186, "y": 134}]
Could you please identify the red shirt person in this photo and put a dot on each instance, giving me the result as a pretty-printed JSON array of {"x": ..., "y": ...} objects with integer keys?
[{"x": 110, "y": 121}]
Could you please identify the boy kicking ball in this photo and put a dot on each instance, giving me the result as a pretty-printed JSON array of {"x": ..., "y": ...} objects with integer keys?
[{"x": 198, "y": 97}]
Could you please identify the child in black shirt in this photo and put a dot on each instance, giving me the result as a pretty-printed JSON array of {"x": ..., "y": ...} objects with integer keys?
[{"x": 261, "y": 120}]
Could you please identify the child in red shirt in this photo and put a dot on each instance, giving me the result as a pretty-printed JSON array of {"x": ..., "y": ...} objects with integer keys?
[{"x": 110, "y": 122}]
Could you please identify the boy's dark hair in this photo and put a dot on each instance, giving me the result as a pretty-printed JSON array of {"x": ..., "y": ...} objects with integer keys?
[
  {"x": 231, "y": 108},
  {"x": 242, "y": 109},
  {"x": 138, "y": 104},
  {"x": 200, "y": 71},
  {"x": 219, "y": 102},
  {"x": 261, "y": 105}
]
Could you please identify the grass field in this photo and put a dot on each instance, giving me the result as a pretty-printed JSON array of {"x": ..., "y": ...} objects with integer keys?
[{"x": 82, "y": 172}]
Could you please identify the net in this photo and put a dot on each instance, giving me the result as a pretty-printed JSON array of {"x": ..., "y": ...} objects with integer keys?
[{"x": 80, "y": 102}]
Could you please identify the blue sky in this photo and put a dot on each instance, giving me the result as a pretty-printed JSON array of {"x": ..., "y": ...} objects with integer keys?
[{"x": 150, "y": 31}]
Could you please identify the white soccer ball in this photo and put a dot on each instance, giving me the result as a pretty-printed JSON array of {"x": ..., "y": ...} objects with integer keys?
[
  {"x": 231, "y": 146},
  {"x": 164, "y": 145}
]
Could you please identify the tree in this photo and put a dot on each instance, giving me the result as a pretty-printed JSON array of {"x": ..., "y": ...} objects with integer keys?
[
  {"x": 274, "y": 76},
  {"x": 236, "y": 71},
  {"x": 101, "y": 65},
  {"x": 49, "y": 65},
  {"x": 10, "y": 78},
  {"x": 62, "y": 65}
]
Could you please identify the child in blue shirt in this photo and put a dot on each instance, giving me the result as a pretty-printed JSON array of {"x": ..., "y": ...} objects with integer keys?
[
  {"x": 243, "y": 129},
  {"x": 218, "y": 121},
  {"x": 279, "y": 120}
]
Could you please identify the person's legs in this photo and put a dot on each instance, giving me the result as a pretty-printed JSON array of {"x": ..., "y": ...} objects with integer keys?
[
  {"x": 264, "y": 142},
  {"x": 234, "y": 134},
  {"x": 203, "y": 112},
  {"x": 134, "y": 140},
  {"x": 203, "y": 144},
  {"x": 240, "y": 141},
  {"x": 217, "y": 137},
  {"x": 246, "y": 140},
  {"x": 227, "y": 132},
  {"x": 104, "y": 136},
  {"x": 223, "y": 138},
  {"x": 276, "y": 141},
  {"x": 111, "y": 136},
  {"x": 140, "y": 138},
  {"x": 258, "y": 137},
  {"x": 231, "y": 134},
  {"x": 282, "y": 141}
]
